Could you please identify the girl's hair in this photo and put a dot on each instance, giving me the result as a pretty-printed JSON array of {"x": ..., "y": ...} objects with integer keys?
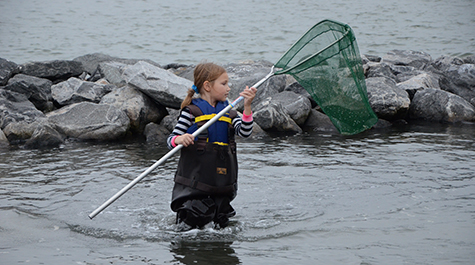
[{"x": 203, "y": 72}]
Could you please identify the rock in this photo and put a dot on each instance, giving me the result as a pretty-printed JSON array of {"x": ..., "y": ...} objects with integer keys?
[
  {"x": 456, "y": 76},
  {"x": 37, "y": 90},
  {"x": 159, "y": 84},
  {"x": 112, "y": 72},
  {"x": 3, "y": 139},
  {"x": 92, "y": 61},
  {"x": 318, "y": 121},
  {"x": 300, "y": 90},
  {"x": 75, "y": 90},
  {"x": 298, "y": 107},
  {"x": 419, "y": 82},
  {"x": 58, "y": 70},
  {"x": 15, "y": 107},
  {"x": 440, "y": 106},
  {"x": 156, "y": 134},
  {"x": 408, "y": 58},
  {"x": 387, "y": 100},
  {"x": 379, "y": 70},
  {"x": 248, "y": 73},
  {"x": 7, "y": 70},
  {"x": 271, "y": 116},
  {"x": 44, "y": 137},
  {"x": 170, "y": 120},
  {"x": 90, "y": 121},
  {"x": 140, "y": 109}
]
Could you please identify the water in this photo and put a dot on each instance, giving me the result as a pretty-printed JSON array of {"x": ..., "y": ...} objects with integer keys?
[
  {"x": 382, "y": 197},
  {"x": 190, "y": 31},
  {"x": 402, "y": 196}
]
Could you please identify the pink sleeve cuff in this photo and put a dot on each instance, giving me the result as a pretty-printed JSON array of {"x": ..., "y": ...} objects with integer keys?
[
  {"x": 247, "y": 118},
  {"x": 173, "y": 140}
]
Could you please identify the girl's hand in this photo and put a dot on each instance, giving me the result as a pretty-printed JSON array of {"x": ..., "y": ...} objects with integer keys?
[
  {"x": 248, "y": 94},
  {"x": 185, "y": 139}
]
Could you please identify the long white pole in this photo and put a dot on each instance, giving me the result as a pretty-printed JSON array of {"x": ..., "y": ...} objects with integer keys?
[{"x": 173, "y": 151}]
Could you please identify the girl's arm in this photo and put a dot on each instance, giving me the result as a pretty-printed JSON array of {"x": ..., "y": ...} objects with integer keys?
[{"x": 179, "y": 135}]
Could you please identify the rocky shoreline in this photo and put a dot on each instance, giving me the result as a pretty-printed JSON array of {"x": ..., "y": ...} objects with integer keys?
[{"x": 101, "y": 98}]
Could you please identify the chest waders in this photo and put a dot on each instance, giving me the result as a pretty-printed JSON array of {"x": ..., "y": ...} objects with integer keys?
[{"x": 206, "y": 177}]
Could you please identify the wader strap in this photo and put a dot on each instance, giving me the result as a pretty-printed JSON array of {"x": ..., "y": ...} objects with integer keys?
[{"x": 204, "y": 187}]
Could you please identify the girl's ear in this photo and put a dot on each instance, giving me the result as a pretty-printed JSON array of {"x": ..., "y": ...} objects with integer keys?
[{"x": 207, "y": 86}]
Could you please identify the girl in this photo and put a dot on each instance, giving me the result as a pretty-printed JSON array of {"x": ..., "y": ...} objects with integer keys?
[{"x": 206, "y": 178}]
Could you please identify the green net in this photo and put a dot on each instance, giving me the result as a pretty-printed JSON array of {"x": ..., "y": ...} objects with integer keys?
[{"x": 326, "y": 62}]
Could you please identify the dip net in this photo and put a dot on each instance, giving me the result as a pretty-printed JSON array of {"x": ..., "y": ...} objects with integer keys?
[{"x": 326, "y": 62}]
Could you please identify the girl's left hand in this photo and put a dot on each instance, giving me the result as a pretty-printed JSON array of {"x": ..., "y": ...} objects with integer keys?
[{"x": 248, "y": 94}]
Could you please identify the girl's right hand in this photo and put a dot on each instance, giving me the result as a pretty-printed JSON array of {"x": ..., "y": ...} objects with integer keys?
[{"x": 185, "y": 139}]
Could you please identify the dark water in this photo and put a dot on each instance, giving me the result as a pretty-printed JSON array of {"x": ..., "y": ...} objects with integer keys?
[
  {"x": 190, "y": 31},
  {"x": 401, "y": 196}
]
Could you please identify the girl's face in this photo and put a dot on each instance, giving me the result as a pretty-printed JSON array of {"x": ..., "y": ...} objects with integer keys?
[{"x": 220, "y": 88}]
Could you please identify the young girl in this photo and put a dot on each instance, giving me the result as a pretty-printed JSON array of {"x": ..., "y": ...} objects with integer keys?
[{"x": 206, "y": 178}]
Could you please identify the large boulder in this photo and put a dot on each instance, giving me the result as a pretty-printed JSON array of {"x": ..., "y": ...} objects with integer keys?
[
  {"x": 55, "y": 71},
  {"x": 248, "y": 73},
  {"x": 90, "y": 121},
  {"x": 159, "y": 84},
  {"x": 15, "y": 107},
  {"x": 271, "y": 116},
  {"x": 75, "y": 90},
  {"x": 3, "y": 139},
  {"x": 319, "y": 122},
  {"x": 140, "y": 109},
  {"x": 297, "y": 106},
  {"x": 7, "y": 70},
  {"x": 37, "y": 90},
  {"x": 407, "y": 58},
  {"x": 156, "y": 134},
  {"x": 440, "y": 106},
  {"x": 112, "y": 72},
  {"x": 419, "y": 82},
  {"x": 456, "y": 76},
  {"x": 93, "y": 60},
  {"x": 387, "y": 100},
  {"x": 300, "y": 90},
  {"x": 44, "y": 136}
]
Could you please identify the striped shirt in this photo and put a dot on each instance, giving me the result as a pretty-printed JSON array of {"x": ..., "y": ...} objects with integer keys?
[{"x": 242, "y": 126}]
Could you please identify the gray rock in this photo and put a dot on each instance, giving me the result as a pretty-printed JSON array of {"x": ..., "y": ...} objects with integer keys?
[
  {"x": 298, "y": 107},
  {"x": 57, "y": 70},
  {"x": 75, "y": 90},
  {"x": 387, "y": 100},
  {"x": 170, "y": 120},
  {"x": 92, "y": 61},
  {"x": 159, "y": 84},
  {"x": 440, "y": 106},
  {"x": 300, "y": 90},
  {"x": 140, "y": 109},
  {"x": 19, "y": 131},
  {"x": 44, "y": 137},
  {"x": 248, "y": 73},
  {"x": 419, "y": 82},
  {"x": 37, "y": 90},
  {"x": 319, "y": 122},
  {"x": 90, "y": 121},
  {"x": 7, "y": 70},
  {"x": 156, "y": 134},
  {"x": 271, "y": 116},
  {"x": 3, "y": 139},
  {"x": 15, "y": 107},
  {"x": 112, "y": 72},
  {"x": 460, "y": 80},
  {"x": 408, "y": 58},
  {"x": 379, "y": 70}
]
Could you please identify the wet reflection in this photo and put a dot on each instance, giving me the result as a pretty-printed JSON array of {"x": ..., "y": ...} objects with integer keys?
[{"x": 194, "y": 252}]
